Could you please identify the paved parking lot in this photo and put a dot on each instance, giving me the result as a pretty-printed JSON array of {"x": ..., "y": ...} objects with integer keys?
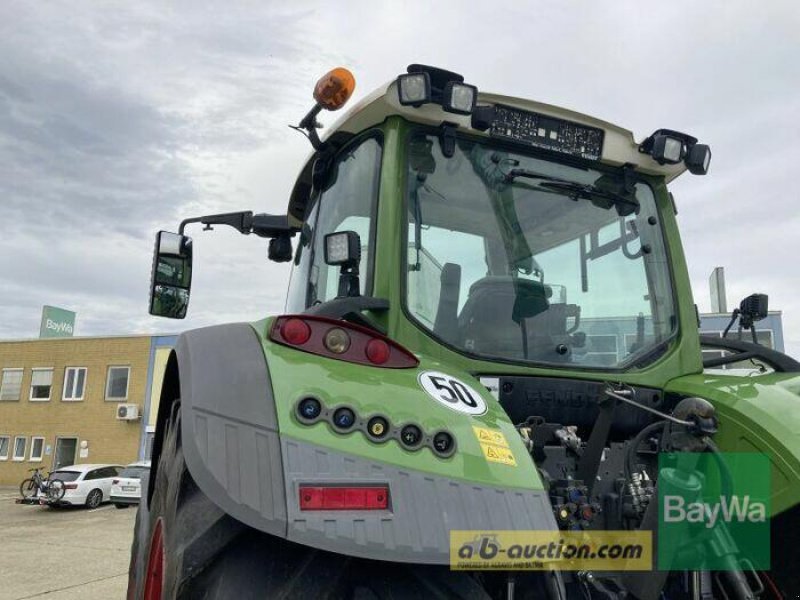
[{"x": 63, "y": 554}]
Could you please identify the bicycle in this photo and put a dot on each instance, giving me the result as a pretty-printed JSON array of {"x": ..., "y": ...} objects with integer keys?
[{"x": 52, "y": 489}]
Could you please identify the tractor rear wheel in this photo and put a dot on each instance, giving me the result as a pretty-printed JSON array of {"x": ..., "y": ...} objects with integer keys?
[{"x": 186, "y": 547}]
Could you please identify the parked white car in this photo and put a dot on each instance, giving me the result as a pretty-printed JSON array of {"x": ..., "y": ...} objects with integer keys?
[
  {"x": 127, "y": 488},
  {"x": 89, "y": 485}
]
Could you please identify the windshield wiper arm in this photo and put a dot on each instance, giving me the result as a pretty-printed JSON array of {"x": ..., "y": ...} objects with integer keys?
[
  {"x": 588, "y": 191},
  {"x": 576, "y": 190},
  {"x": 528, "y": 174}
]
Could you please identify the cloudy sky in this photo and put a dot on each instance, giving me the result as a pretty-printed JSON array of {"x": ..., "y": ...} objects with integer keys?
[{"x": 119, "y": 119}]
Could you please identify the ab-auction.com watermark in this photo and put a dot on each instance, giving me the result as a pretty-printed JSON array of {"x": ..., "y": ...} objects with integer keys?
[
  {"x": 546, "y": 550},
  {"x": 713, "y": 514}
]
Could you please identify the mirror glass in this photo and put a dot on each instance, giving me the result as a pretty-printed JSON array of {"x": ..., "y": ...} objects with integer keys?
[{"x": 171, "y": 276}]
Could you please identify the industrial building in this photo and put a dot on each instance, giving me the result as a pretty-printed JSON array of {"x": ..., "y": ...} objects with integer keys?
[{"x": 77, "y": 400}]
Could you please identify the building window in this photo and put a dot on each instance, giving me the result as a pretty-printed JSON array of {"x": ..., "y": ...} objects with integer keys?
[
  {"x": 148, "y": 445},
  {"x": 11, "y": 384},
  {"x": 117, "y": 383},
  {"x": 74, "y": 383},
  {"x": 37, "y": 448},
  {"x": 41, "y": 384},
  {"x": 4, "y": 440},
  {"x": 601, "y": 350},
  {"x": 20, "y": 442}
]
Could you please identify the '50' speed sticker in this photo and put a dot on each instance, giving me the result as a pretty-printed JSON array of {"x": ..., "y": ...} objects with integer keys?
[{"x": 452, "y": 393}]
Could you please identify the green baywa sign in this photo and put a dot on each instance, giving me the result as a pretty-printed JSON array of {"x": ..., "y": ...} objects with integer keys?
[
  {"x": 714, "y": 511},
  {"x": 57, "y": 322}
]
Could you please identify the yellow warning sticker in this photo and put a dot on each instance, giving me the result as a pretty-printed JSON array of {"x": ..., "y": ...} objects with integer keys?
[
  {"x": 498, "y": 454},
  {"x": 490, "y": 436},
  {"x": 494, "y": 446}
]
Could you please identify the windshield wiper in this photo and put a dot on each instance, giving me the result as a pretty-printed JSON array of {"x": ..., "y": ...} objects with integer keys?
[{"x": 625, "y": 205}]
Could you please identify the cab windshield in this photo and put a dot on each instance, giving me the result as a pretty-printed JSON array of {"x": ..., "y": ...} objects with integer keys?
[{"x": 520, "y": 259}]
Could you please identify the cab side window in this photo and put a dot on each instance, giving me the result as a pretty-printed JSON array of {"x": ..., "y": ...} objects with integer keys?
[{"x": 348, "y": 203}]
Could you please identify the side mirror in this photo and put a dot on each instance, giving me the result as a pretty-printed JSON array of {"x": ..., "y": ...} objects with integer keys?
[{"x": 171, "y": 278}]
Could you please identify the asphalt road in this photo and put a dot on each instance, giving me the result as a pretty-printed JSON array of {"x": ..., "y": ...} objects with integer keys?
[{"x": 63, "y": 554}]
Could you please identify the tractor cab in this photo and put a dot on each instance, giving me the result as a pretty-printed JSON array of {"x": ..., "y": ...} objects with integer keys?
[
  {"x": 492, "y": 228},
  {"x": 499, "y": 229}
]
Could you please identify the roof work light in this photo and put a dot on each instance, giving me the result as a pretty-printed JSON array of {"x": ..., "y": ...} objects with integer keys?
[
  {"x": 698, "y": 159},
  {"x": 414, "y": 89},
  {"x": 669, "y": 147},
  {"x": 423, "y": 84},
  {"x": 459, "y": 98},
  {"x": 667, "y": 150}
]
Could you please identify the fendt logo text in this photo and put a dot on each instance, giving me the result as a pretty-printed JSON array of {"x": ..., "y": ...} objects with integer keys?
[{"x": 734, "y": 508}]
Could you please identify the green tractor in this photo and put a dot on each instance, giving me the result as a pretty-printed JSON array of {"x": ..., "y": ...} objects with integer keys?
[{"x": 459, "y": 259}]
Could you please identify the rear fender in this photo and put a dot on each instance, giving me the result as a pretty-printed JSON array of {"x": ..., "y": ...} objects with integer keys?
[
  {"x": 229, "y": 426},
  {"x": 247, "y": 454}
]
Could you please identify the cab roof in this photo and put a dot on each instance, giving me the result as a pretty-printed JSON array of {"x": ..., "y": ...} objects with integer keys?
[{"x": 619, "y": 146}]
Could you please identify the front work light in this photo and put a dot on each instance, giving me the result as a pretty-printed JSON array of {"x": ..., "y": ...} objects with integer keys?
[
  {"x": 459, "y": 98},
  {"x": 414, "y": 89},
  {"x": 698, "y": 159},
  {"x": 342, "y": 248}
]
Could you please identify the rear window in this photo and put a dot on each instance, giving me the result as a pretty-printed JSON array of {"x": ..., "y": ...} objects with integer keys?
[
  {"x": 65, "y": 475},
  {"x": 135, "y": 472}
]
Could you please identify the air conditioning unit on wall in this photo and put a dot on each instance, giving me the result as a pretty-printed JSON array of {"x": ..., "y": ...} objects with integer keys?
[{"x": 128, "y": 412}]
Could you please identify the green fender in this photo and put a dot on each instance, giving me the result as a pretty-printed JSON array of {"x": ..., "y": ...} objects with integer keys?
[
  {"x": 398, "y": 395},
  {"x": 756, "y": 414}
]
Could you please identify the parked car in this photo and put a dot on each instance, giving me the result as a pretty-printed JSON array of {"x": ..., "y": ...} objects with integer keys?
[
  {"x": 89, "y": 485},
  {"x": 127, "y": 488}
]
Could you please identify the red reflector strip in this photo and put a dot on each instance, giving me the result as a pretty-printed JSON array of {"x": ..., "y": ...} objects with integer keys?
[{"x": 343, "y": 498}]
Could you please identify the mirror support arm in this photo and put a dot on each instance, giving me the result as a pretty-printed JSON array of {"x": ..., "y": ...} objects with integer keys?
[
  {"x": 245, "y": 222},
  {"x": 241, "y": 221}
]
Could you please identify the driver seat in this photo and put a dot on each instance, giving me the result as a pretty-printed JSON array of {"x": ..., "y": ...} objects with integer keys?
[{"x": 492, "y": 320}]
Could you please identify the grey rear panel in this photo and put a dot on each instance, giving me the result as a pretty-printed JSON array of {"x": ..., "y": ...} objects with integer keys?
[
  {"x": 230, "y": 428},
  {"x": 238, "y": 459},
  {"x": 424, "y": 508}
]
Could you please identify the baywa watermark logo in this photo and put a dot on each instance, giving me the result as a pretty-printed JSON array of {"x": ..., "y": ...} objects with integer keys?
[
  {"x": 729, "y": 509},
  {"x": 545, "y": 550},
  {"x": 713, "y": 511}
]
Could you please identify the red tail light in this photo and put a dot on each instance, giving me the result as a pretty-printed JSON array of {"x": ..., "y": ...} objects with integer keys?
[
  {"x": 70, "y": 486},
  {"x": 342, "y": 340},
  {"x": 344, "y": 498},
  {"x": 114, "y": 481}
]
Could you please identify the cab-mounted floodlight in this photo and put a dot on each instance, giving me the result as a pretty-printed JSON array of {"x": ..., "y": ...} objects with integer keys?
[
  {"x": 414, "y": 89},
  {"x": 698, "y": 159},
  {"x": 423, "y": 84},
  {"x": 343, "y": 248},
  {"x": 459, "y": 98},
  {"x": 668, "y": 147}
]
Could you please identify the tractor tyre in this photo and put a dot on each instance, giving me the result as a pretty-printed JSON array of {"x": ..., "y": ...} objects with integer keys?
[{"x": 190, "y": 548}]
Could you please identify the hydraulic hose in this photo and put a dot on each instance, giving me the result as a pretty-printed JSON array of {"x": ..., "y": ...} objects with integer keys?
[{"x": 638, "y": 439}]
